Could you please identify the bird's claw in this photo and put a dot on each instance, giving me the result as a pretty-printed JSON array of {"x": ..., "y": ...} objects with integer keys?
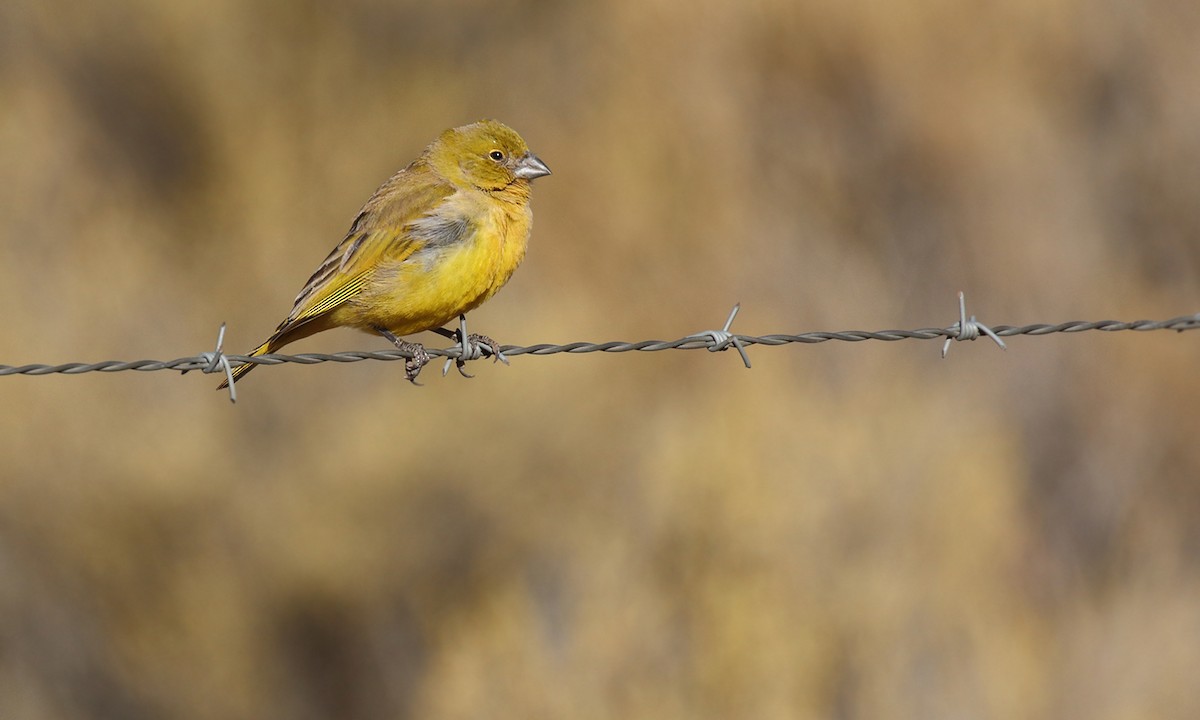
[
  {"x": 419, "y": 355},
  {"x": 420, "y": 358},
  {"x": 484, "y": 342},
  {"x": 475, "y": 347}
]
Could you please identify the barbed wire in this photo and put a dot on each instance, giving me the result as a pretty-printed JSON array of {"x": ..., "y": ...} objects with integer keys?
[{"x": 217, "y": 361}]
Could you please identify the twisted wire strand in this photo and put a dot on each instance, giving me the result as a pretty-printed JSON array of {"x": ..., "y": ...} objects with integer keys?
[{"x": 700, "y": 341}]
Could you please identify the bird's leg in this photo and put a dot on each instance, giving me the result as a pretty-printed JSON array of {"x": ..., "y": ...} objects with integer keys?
[
  {"x": 413, "y": 365},
  {"x": 473, "y": 346}
]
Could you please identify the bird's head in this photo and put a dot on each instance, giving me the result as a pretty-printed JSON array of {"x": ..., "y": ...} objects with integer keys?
[{"x": 488, "y": 155}]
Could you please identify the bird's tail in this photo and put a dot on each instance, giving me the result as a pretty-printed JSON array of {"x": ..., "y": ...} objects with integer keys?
[
  {"x": 271, "y": 345},
  {"x": 288, "y": 332}
]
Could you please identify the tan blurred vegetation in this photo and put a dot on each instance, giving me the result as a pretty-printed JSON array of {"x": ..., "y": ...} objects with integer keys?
[{"x": 846, "y": 531}]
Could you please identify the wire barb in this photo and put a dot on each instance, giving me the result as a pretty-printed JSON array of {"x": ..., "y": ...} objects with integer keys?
[
  {"x": 967, "y": 329},
  {"x": 719, "y": 340},
  {"x": 470, "y": 347},
  {"x": 218, "y": 361}
]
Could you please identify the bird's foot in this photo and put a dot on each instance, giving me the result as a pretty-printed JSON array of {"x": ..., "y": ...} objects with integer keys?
[
  {"x": 473, "y": 346},
  {"x": 420, "y": 356}
]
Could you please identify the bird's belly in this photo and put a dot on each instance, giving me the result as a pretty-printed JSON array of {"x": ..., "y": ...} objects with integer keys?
[{"x": 436, "y": 285}]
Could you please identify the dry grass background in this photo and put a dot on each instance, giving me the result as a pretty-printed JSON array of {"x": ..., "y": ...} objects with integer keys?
[{"x": 842, "y": 532}]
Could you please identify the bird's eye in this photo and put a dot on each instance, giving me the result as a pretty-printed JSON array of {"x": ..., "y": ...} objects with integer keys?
[{"x": 496, "y": 155}]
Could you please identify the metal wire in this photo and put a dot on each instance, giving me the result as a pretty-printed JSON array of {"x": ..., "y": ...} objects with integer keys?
[{"x": 712, "y": 340}]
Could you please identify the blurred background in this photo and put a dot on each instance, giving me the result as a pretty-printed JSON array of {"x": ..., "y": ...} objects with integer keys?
[{"x": 845, "y": 531}]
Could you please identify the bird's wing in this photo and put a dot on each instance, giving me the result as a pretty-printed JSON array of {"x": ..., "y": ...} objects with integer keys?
[{"x": 387, "y": 229}]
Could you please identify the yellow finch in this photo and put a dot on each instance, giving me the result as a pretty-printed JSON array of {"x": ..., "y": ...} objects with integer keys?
[{"x": 436, "y": 240}]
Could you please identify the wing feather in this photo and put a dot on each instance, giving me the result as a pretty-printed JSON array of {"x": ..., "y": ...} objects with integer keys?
[{"x": 389, "y": 228}]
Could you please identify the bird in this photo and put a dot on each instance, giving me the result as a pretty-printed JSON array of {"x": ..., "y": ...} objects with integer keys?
[{"x": 434, "y": 242}]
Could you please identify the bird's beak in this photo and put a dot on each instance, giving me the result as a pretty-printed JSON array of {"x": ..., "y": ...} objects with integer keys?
[{"x": 530, "y": 167}]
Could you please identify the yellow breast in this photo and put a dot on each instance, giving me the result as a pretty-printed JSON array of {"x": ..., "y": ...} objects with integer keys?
[{"x": 438, "y": 283}]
